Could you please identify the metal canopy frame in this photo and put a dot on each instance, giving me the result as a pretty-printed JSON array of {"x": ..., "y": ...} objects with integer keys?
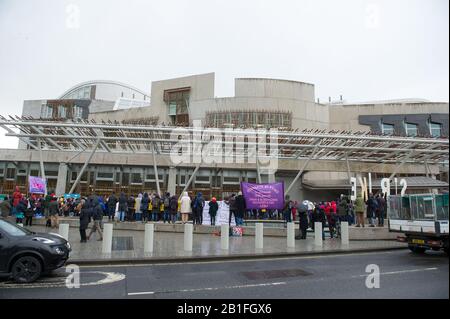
[{"x": 140, "y": 139}]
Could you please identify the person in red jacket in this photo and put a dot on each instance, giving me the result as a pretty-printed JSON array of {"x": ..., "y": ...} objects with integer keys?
[
  {"x": 17, "y": 197},
  {"x": 294, "y": 210},
  {"x": 334, "y": 207}
]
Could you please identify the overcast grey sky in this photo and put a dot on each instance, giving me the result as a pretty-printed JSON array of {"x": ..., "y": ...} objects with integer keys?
[{"x": 364, "y": 50}]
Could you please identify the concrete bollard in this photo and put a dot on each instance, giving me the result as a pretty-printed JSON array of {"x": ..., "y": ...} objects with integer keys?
[
  {"x": 344, "y": 233},
  {"x": 107, "y": 238},
  {"x": 290, "y": 235},
  {"x": 259, "y": 235},
  {"x": 188, "y": 229},
  {"x": 224, "y": 236},
  {"x": 64, "y": 231},
  {"x": 318, "y": 241},
  {"x": 148, "y": 237}
]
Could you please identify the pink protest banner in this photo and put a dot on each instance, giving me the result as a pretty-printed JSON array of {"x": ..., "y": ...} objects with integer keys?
[
  {"x": 37, "y": 185},
  {"x": 263, "y": 196}
]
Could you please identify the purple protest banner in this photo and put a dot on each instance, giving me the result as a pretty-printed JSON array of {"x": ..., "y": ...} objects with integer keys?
[
  {"x": 263, "y": 196},
  {"x": 37, "y": 185}
]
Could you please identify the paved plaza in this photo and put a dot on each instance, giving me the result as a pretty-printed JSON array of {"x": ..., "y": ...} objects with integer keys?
[{"x": 128, "y": 245}]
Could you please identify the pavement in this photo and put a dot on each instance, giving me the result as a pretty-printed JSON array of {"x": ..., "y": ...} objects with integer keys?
[
  {"x": 128, "y": 247},
  {"x": 402, "y": 274}
]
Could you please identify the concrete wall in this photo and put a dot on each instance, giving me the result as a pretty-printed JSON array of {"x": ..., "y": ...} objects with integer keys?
[
  {"x": 253, "y": 87},
  {"x": 202, "y": 88},
  {"x": 123, "y": 115},
  {"x": 100, "y": 106}
]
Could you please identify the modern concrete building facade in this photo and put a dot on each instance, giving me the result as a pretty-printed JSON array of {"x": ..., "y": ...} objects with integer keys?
[{"x": 257, "y": 103}]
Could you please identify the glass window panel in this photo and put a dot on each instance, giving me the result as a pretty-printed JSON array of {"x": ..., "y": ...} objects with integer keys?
[
  {"x": 411, "y": 129},
  {"x": 435, "y": 129},
  {"x": 387, "y": 129}
]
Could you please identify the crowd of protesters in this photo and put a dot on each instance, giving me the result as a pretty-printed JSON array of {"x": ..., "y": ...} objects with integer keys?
[{"x": 150, "y": 207}]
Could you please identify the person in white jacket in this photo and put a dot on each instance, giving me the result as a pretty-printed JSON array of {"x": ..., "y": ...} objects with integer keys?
[{"x": 185, "y": 207}]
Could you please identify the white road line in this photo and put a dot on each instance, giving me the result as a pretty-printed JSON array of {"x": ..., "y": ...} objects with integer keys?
[
  {"x": 141, "y": 293},
  {"x": 208, "y": 288},
  {"x": 399, "y": 272},
  {"x": 235, "y": 260}
]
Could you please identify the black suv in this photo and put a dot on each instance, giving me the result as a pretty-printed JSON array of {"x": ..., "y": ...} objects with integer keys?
[{"x": 25, "y": 255}]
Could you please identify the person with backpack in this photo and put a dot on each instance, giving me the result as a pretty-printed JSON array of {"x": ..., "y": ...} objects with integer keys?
[
  {"x": 111, "y": 203},
  {"x": 166, "y": 208},
  {"x": 173, "y": 208},
  {"x": 199, "y": 204},
  {"x": 213, "y": 208},
  {"x": 156, "y": 201},
  {"x": 303, "y": 220}
]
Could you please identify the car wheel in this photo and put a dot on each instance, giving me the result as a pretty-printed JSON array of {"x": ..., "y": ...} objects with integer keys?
[
  {"x": 417, "y": 250},
  {"x": 26, "y": 269}
]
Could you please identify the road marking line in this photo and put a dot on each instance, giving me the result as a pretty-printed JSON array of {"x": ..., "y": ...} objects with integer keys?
[
  {"x": 399, "y": 272},
  {"x": 141, "y": 293},
  {"x": 208, "y": 288},
  {"x": 60, "y": 282}
]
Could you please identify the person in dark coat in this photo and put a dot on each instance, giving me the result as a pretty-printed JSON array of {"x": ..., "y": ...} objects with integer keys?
[
  {"x": 303, "y": 220},
  {"x": 29, "y": 211},
  {"x": 123, "y": 207},
  {"x": 85, "y": 218},
  {"x": 53, "y": 210},
  {"x": 232, "y": 204},
  {"x": 381, "y": 209},
  {"x": 145, "y": 202},
  {"x": 112, "y": 201},
  {"x": 320, "y": 217},
  {"x": 240, "y": 209},
  {"x": 372, "y": 206},
  {"x": 130, "y": 213},
  {"x": 198, "y": 205},
  {"x": 213, "y": 208},
  {"x": 173, "y": 208},
  {"x": 95, "y": 212}
]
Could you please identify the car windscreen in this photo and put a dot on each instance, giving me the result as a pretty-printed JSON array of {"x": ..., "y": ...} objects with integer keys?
[{"x": 13, "y": 230}]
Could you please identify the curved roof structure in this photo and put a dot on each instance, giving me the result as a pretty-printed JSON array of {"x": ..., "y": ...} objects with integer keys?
[{"x": 95, "y": 82}]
